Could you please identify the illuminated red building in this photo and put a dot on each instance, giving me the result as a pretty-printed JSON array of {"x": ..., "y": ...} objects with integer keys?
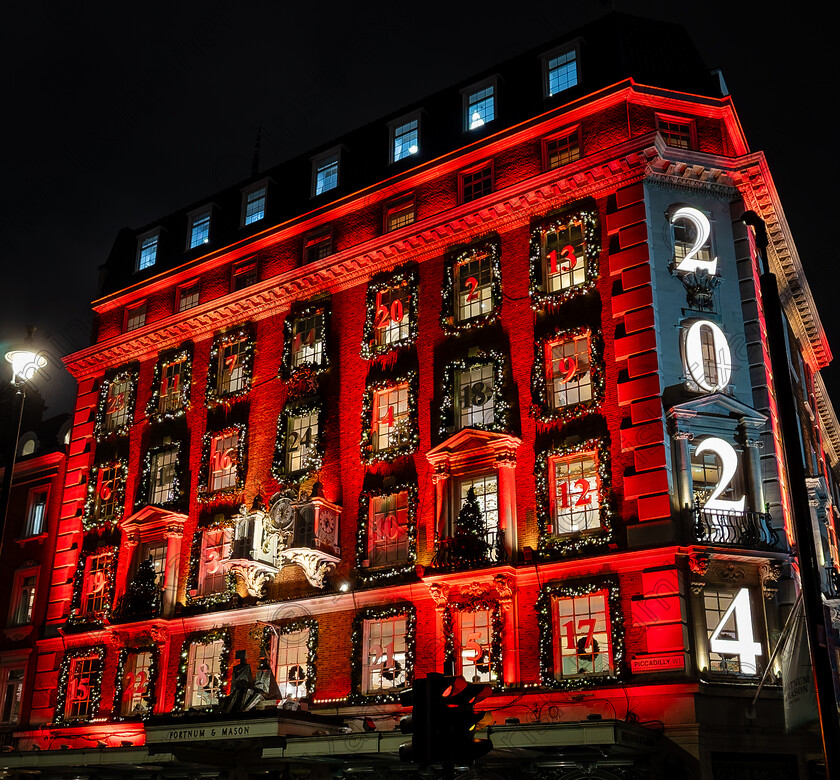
[{"x": 484, "y": 381}]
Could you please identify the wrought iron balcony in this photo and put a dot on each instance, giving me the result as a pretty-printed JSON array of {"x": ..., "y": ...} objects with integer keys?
[
  {"x": 464, "y": 552},
  {"x": 734, "y": 529}
]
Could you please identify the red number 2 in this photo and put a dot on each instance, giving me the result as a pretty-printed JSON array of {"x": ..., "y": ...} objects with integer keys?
[
  {"x": 585, "y": 497},
  {"x": 472, "y": 283}
]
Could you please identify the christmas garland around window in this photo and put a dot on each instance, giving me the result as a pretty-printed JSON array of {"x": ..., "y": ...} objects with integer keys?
[
  {"x": 89, "y": 519},
  {"x": 143, "y": 495},
  {"x": 59, "y": 715},
  {"x": 201, "y": 638},
  {"x": 203, "y": 491},
  {"x": 402, "y": 278},
  {"x": 380, "y": 575},
  {"x": 551, "y": 545},
  {"x": 183, "y": 355},
  {"x": 409, "y": 438},
  {"x": 541, "y": 408},
  {"x": 449, "y": 317},
  {"x": 501, "y": 408},
  {"x": 588, "y": 219},
  {"x": 287, "y": 370},
  {"x": 213, "y": 397},
  {"x": 548, "y": 639},
  {"x": 151, "y": 683},
  {"x": 76, "y": 616},
  {"x": 399, "y": 609},
  {"x": 290, "y": 627},
  {"x": 209, "y": 599},
  {"x": 129, "y": 376},
  {"x": 496, "y": 626},
  {"x": 314, "y": 458}
]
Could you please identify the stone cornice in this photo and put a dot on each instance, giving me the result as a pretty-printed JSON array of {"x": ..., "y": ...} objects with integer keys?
[{"x": 829, "y": 426}]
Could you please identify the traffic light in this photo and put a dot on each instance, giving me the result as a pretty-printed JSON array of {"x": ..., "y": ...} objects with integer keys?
[
  {"x": 417, "y": 723},
  {"x": 461, "y": 720}
]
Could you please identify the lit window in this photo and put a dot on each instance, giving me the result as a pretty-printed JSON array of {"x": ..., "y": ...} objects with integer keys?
[
  {"x": 244, "y": 275},
  {"x": 476, "y": 184},
  {"x": 576, "y": 498},
  {"x": 199, "y": 229},
  {"x": 486, "y": 488},
  {"x": 36, "y": 513},
  {"x": 291, "y": 664},
  {"x": 561, "y": 72},
  {"x": 405, "y": 139},
  {"x": 474, "y": 286},
  {"x": 582, "y": 635},
  {"x": 164, "y": 468},
  {"x": 569, "y": 376},
  {"x": 564, "y": 259},
  {"x": 475, "y": 632},
  {"x": 188, "y": 296},
  {"x": 82, "y": 678},
  {"x": 562, "y": 150},
  {"x": 733, "y": 648},
  {"x": 317, "y": 247},
  {"x": 23, "y": 597},
  {"x": 215, "y": 550},
  {"x": 224, "y": 461},
  {"x": 253, "y": 205},
  {"x": 684, "y": 230},
  {"x": 147, "y": 251},
  {"x": 325, "y": 173},
  {"x": 156, "y": 551},
  {"x": 479, "y": 106},
  {"x": 391, "y": 421},
  {"x": 135, "y": 316},
  {"x": 391, "y": 321},
  {"x": 475, "y": 400},
  {"x": 136, "y": 684},
  {"x": 204, "y": 675},
  {"x": 116, "y": 404},
  {"x": 96, "y": 583},
  {"x": 400, "y": 214},
  {"x": 307, "y": 340},
  {"x": 388, "y": 529},
  {"x": 707, "y": 470},
  {"x": 107, "y": 491},
  {"x": 301, "y": 439},
  {"x": 28, "y": 445},
  {"x": 172, "y": 388},
  {"x": 11, "y": 693},
  {"x": 231, "y": 373},
  {"x": 383, "y": 659},
  {"x": 676, "y": 132}
]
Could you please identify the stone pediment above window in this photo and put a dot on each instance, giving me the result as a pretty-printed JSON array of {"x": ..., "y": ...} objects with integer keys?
[
  {"x": 475, "y": 447},
  {"x": 152, "y": 521},
  {"x": 717, "y": 409}
]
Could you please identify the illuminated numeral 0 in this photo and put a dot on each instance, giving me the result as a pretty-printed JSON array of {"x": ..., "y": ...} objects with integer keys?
[{"x": 706, "y": 355}]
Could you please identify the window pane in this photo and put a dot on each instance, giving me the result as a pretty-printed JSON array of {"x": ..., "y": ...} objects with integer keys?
[
  {"x": 162, "y": 482},
  {"x": 481, "y": 107},
  {"x": 136, "y": 684},
  {"x": 83, "y": 674},
  {"x": 37, "y": 512},
  {"x": 569, "y": 379},
  {"x": 255, "y": 205},
  {"x": 388, "y": 529},
  {"x": 474, "y": 635},
  {"x": 326, "y": 174},
  {"x": 116, "y": 405},
  {"x": 474, "y": 286},
  {"x": 95, "y": 586},
  {"x": 224, "y": 458},
  {"x": 291, "y": 662},
  {"x": 25, "y": 600},
  {"x": 475, "y": 396},
  {"x": 477, "y": 184},
  {"x": 148, "y": 252},
  {"x": 188, "y": 297},
  {"x": 384, "y": 655},
  {"x": 12, "y": 693},
  {"x": 563, "y": 150},
  {"x": 204, "y": 682},
  {"x": 391, "y": 318},
  {"x": 406, "y": 139},
  {"x": 391, "y": 421},
  {"x": 562, "y": 72},
  {"x": 231, "y": 367},
  {"x": 301, "y": 438},
  {"x": 215, "y": 550},
  {"x": 486, "y": 492},
  {"x": 307, "y": 345},
  {"x": 577, "y": 493},
  {"x": 200, "y": 230},
  {"x": 564, "y": 257},
  {"x": 582, "y": 636}
]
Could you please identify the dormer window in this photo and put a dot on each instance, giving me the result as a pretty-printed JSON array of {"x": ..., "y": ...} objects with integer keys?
[
  {"x": 560, "y": 69},
  {"x": 199, "y": 229},
  {"x": 405, "y": 137},
  {"x": 135, "y": 316},
  {"x": 677, "y": 131},
  {"x": 147, "y": 249},
  {"x": 479, "y": 104},
  {"x": 325, "y": 172},
  {"x": 561, "y": 149},
  {"x": 253, "y": 204}
]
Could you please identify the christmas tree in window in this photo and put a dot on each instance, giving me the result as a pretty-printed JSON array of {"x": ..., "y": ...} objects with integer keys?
[{"x": 470, "y": 543}]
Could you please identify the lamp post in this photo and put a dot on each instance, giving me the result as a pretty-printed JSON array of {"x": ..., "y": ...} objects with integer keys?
[{"x": 26, "y": 362}]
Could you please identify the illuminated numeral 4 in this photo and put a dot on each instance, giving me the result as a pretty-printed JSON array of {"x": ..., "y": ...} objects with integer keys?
[
  {"x": 729, "y": 465},
  {"x": 703, "y": 229},
  {"x": 745, "y": 646}
]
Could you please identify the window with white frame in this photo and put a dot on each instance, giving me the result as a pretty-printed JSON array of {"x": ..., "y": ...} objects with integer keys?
[
  {"x": 307, "y": 343},
  {"x": 486, "y": 487},
  {"x": 576, "y": 494},
  {"x": 479, "y": 105},
  {"x": 561, "y": 71},
  {"x": 569, "y": 376},
  {"x": 291, "y": 664},
  {"x": 24, "y": 588},
  {"x": 204, "y": 675},
  {"x": 230, "y": 373},
  {"x": 582, "y": 635},
  {"x": 475, "y": 398},
  {"x": 405, "y": 138},
  {"x": 388, "y": 529},
  {"x": 391, "y": 418},
  {"x": 170, "y": 391},
  {"x": 156, "y": 551},
  {"x": 135, "y": 316},
  {"x": 564, "y": 258},
  {"x": 325, "y": 173},
  {"x": 116, "y": 404},
  {"x": 188, "y": 296},
  {"x": 136, "y": 684},
  {"x": 474, "y": 286},
  {"x": 199, "y": 229},
  {"x": 383, "y": 655},
  {"x": 215, "y": 550},
  {"x": 391, "y": 321},
  {"x": 83, "y": 676},
  {"x": 562, "y": 149},
  {"x": 253, "y": 204},
  {"x": 164, "y": 469},
  {"x": 96, "y": 583},
  {"x": 36, "y": 512},
  {"x": 109, "y": 478},
  {"x": 11, "y": 692},
  {"x": 733, "y": 639},
  {"x": 147, "y": 249},
  {"x": 474, "y": 642},
  {"x": 301, "y": 438},
  {"x": 224, "y": 461}
]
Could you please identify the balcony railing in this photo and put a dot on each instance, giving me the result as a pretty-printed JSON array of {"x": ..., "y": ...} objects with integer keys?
[
  {"x": 735, "y": 529},
  {"x": 463, "y": 553}
]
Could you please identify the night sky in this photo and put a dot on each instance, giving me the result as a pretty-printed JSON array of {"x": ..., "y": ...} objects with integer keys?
[{"x": 115, "y": 120}]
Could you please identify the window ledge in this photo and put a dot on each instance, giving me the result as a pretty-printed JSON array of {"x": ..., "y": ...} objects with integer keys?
[
  {"x": 18, "y": 633},
  {"x": 37, "y": 538}
]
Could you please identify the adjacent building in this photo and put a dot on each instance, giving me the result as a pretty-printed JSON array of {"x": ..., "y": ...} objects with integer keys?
[{"x": 485, "y": 381}]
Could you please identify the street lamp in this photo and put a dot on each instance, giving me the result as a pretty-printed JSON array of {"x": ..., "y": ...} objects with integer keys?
[{"x": 26, "y": 362}]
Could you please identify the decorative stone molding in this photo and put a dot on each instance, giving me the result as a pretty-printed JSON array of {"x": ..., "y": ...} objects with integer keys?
[
  {"x": 174, "y": 530},
  {"x": 770, "y": 572},
  {"x": 699, "y": 565},
  {"x": 440, "y": 472},
  {"x": 440, "y": 595},
  {"x": 316, "y": 565},
  {"x": 254, "y": 576},
  {"x": 730, "y": 572}
]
